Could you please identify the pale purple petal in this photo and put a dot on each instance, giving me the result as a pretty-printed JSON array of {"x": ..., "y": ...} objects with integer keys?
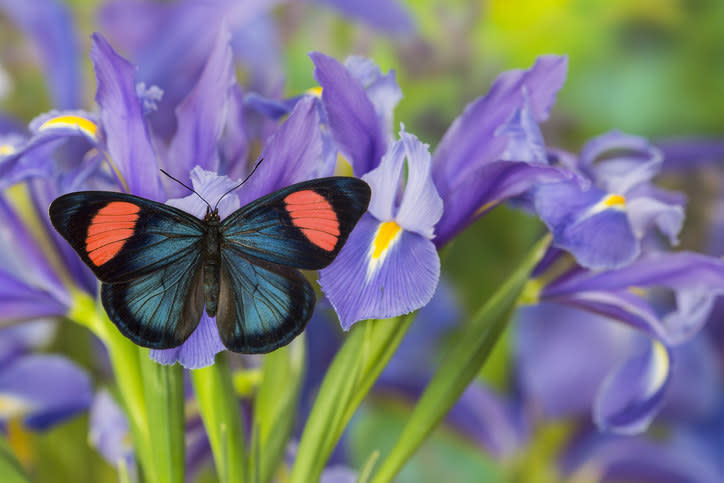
[
  {"x": 198, "y": 351},
  {"x": 631, "y": 397},
  {"x": 402, "y": 280},
  {"x": 109, "y": 432},
  {"x": 352, "y": 118},
  {"x": 686, "y": 154},
  {"x": 127, "y": 138},
  {"x": 597, "y": 235},
  {"x": 201, "y": 115},
  {"x": 292, "y": 154},
  {"x": 421, "y": 206},
  {"x": 234, "y": 145},
  {"x": 48, "y": 388},
  {"x": 18, "y": 339},
  {"x": 547, "y": 338},
  {"x": 257, "y": 46},
  {"x": 525, "y": 141},
  {"x": 211, "y": 187},
  {"x": 20, "y": 301},
  {"x": 647, "y": 213}
]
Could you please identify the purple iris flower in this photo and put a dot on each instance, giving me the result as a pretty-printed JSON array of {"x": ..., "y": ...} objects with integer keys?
[
  {"x": 109, "y": 432},
  {"x": 40, "y": 390},
  {"x": 389, "y": 265},
  {"x": 666, "y": 296},
  {"x": 603, "y": 225},
  {"x": 493, "y": 152},
  {"x": 49, "y": 26}
]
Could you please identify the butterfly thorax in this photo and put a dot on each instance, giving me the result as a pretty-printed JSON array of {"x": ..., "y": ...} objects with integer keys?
[{"x": 211, "y": 262}]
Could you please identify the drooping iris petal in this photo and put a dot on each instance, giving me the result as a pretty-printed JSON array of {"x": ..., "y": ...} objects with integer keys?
[
  {"x": 369, "y": 282},
  {"x": 352, "y": 117},
  {"x": 43, "y": 390},
  {"x": 631, "y": 397},
  {"x": 646, "y": 213},
  {"x": 109, "y": 432},
  {"x": 590, "y": 224},
  {"x": 695, "y": 279},
  {"x": 49, "y": 25},
  {"x": 292, "y": 154},
  {"x": 127, "y": 138},
  {"x": 199, "y": 349},
  {"x": 547, "y": 338},
  {"x": 200, "y": 117}
]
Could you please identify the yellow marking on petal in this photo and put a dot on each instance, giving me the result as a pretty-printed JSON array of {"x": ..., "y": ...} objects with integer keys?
[
  {"x": 12, "y": 407},
  {"x": 87, "y": 127},
  {"x": 6, "y": 149},
  {"x": 660, "y": 367},
  {"x": 19, "y": 440},
  {"x": 314, "y": 91},
  {"x": 487, "y": 206},
  {"x": 386, "y": 234},
  {"x": 614, "y": 200}
]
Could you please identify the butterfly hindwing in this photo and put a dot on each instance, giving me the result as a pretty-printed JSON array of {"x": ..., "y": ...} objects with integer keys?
[
  {"x": 148, "y": 256},
  {"x": 303, "y": 226},
  {"x": 122, "y": 237},
  {"x": 159, "y": 309},
  {"x": 262, "y": 306}
]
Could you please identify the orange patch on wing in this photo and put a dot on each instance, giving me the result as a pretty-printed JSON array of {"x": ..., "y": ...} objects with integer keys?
[
  {"x": 109, "y": 229},
  {"x": 315, "y": 217}
]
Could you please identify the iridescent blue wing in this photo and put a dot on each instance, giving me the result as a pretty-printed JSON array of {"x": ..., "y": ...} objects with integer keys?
[
  {"x": 262, "y": 305},
  {"x": 304, "y": 225},
  {"x": 148, "y": 256}
]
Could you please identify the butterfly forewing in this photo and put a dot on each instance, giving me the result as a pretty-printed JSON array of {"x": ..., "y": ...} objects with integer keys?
[
  {"x": 122, "y": 237},
  {"x": 262, "y": 306},
  {"x": 302, "y": 226}
]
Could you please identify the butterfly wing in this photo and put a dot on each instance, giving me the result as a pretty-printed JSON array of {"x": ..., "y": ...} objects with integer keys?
[
  {"x": 264, "y": 301},
  {"x": 149, "y": 256},
  {"x": 262, "y": 306},
  {"x": 304, "y": 225},
  {"x": 122, "y": 237}
]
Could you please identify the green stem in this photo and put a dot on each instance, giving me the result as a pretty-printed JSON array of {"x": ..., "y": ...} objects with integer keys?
[
  {"x": 460, "y": 366},
  {"x": 366, "y": 351},
  {"x": 220, "y": 413}
]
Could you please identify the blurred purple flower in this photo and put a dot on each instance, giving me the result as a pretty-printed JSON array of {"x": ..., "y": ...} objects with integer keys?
[
  {"x": 50, "y": 28},
  {"x": 42, "y": 390},
  {"x": 109, "y": 432},
  {"x": 603, "y": 225}
]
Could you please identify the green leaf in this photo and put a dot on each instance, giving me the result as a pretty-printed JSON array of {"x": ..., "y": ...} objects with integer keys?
[
  {"x": 164, "y": 391},
  {"x": 220, "y": 413},
  {"x": 355, "y": 368},
  {"x": 460, "y": 366},
  {"x": 10, "y": 468},
  {"x": 275, "y": 408}
]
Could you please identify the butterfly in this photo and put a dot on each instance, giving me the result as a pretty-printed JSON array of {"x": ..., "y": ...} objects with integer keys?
[{"x": 160, "y": 266}]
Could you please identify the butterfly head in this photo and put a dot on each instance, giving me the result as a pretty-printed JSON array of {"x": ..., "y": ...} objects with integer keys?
[{"x": 212, "y": 215}]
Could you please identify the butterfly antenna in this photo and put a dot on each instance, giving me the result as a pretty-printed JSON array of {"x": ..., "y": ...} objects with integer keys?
[
  {"x": 190, "y": 189},
  {"x": 245, "y": 179}
]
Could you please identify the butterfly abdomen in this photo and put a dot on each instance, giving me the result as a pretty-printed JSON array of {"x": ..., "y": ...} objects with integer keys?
[{"x": 212, "y": 260}]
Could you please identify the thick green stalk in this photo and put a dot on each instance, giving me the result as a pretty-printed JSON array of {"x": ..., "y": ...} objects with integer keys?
[
  {"x": 221, "y": 414},
  {"x": 367, "y": 350},
  {"x": 164, "y": 391},
  {"x": 460, "y": 366},
  {"x": 275, "y": 408},
  {"x": 10, "y": 468}
]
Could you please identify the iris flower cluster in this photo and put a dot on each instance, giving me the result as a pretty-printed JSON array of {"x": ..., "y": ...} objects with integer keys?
[{"x": 607, "y": 263}]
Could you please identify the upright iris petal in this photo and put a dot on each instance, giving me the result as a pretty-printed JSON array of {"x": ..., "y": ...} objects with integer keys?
[{"x": 389, "y": 265}]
